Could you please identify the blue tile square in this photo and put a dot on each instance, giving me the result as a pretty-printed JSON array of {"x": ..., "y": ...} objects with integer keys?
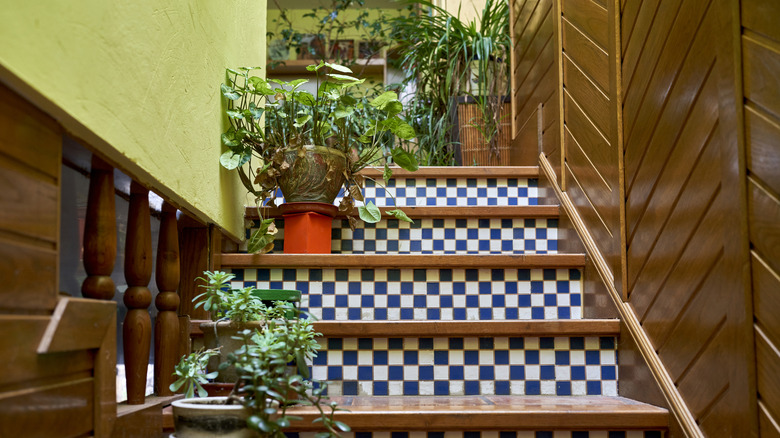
[
  {"x": 380, "y": 357},
  {"x": 407, "y": 314},
  {"x": 334, "y": 373},
  {"x": 393, "y": 301},
  {"x": 487, "y": 372},
  {"x": 592, "y": 357},
  {"x": 445, "y": 301},
  {"x": 499, "y": 301},
  {"x": 517, "y": 372},
  {"x": 471, "y": 387},
  {"x": 353, "y": 314},
  {"x": 593, "y": 387},
  {"x": 411, "y": 388},
  {"x": 459, "y": 314},
  {"x": 533, "y": 387},
  {"x": 562, "y": 388},
  {"x": 547, "y": 372},
  {"x": 547, "y": 343},
  {"x": 321, "y": 358},
  {"x": 410, "y": 357},
  {"x": 350, "y": 387},
  {"x": 472, "y": 301},
  {"x": 407, "y": 287},
  {"x": 350, "y": 357},
  {"x": 537, "y": 287},
  {"x": 532, "y": 357},
  {"x": 441, "y": 387},
  {"x": 315, "y": 301},
  {"x": 367, "y": 301},
  {"x": 456, "y": 372},
  {"x": 395, "y": 372},
  {"x": 380, "y": 314},
  {"x": 485, "y": 314},
  {"x": 537, "y": 313},
  {"x": 328, "y": 288},
  {"x": 562, "y": 357},
  {"x": 342, "y": 301},
  {"x": 550, "y": 300},
  {"x": 608, "y": 372},
  {"x": 471, "y": 357},
  {"x": 578, "y": 372},
  {"x": 562, "y": 287},
  {"x": 381, "y": 388},
  {"x": 524, "y": 301},
  {"x": 512, "y": 314},
  {"x": 426, "y": 372},
  {"x": 329, "y": 314},
  {"x": 433, "y": 314},
  {"x": 365, "y": 373},
  {"x": 459, "y": 288},
  {"x": 485, "y": 287},
  {"x": 441, "y": 357},
  {"x": 564, "y": 313},
  {"x": 502, "y": 387}
]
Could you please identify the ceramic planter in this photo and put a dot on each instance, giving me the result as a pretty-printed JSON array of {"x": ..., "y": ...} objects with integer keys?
[
  {"x": 317, "y": 175},
  {"x": 308, "y": 227},
  {"x": 210, "y": 417}
]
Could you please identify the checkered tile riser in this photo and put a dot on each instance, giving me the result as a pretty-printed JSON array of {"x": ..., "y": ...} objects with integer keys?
[
  {"x": 441, "y": 236},
  {"x": 468, "y": 366},
  {"x": 455, "y": 192},
  {"x": 497, "y": 434},
  {"x": 426, "y": 294}
]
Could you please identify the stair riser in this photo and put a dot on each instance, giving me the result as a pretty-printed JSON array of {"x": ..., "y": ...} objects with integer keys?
[
  {"x": 468, "y": 366},
  {"x": 452, "y": 192},
  {"x": 441, "y": 236},
  {"x": 427, "y": 294},
  {"x": 496, "y": 434}
]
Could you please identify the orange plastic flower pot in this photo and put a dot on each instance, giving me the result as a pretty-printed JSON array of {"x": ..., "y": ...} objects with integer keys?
[{"x": 307, "y": 232}]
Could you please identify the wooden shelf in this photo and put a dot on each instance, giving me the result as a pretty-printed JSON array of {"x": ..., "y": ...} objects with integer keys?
[{"x": 298, "y": 67}]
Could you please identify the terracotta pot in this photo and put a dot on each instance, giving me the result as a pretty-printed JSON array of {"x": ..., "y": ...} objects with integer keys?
[
  {"x": 317, "y": 176},
  {"x": 308, "y": 227},
  {"x": 210, "y": 417},
  {"x": 220, "y": 334}
]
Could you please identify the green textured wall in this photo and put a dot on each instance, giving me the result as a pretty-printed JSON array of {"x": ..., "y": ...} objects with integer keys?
[{"x": 139, "y": 80}]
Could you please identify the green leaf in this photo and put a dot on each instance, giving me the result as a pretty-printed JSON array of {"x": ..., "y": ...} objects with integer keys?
[
  {"x": 231, "y": 160},
  {"x": 261, "y": 85},
  {"x": 370, "y": 213},
  {"x": 404, "y": 159},
  {"x": 387, "y": 174},
  {"x": 305, "y": 98},
  {"x": 393, "y": 108},
  {"x": 346, "y": 78},
  {"x": 383, "y": 99},
  {"x": 339, "y": 67},
  {"x": 234, "y": 114},
  {"x": 230, "y": 93},
  {"x": 343, "y": 427},
  {"x": 399, "y": 214},
  {"x": 343, "y": 112},
  {"x": 231, "y": 138},
  {"x": 255, "y": 110},
  {"x": 177, "y": 384},
  {"x": 404, "y": 131},
  {"x": 260, "y": 242},
  {"x": 294, "y": 85},
  {"x": 301, "y": 121}
]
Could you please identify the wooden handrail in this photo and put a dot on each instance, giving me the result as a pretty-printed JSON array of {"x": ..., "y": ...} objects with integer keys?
[{"x": 137, "y": 329}]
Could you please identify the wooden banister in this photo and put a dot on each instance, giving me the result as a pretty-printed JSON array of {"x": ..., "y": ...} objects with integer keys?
[
  {"x": 100, "y": 233},
  {"x": 166, "y": 334},
  {"x": 137, "y": 329}
]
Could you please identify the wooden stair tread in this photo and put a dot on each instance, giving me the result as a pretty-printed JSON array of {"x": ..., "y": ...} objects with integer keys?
[
  {"x": 459, "y": 172},
  {"x": 420, "y": 261},
  {"x": 419, "y": 212},
  {"x": 436, "y": 413},
  {"x": 406, "y": 328}
]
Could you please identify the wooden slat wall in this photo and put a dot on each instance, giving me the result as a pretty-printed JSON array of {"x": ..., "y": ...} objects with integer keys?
[
  {"x": 590, "y": 137},
  {"x": 681, "y": 276},
  {"x": 761, "y": 70},
  {"x": 40, "y": 395},
  {"x": 534, "y": 82}
]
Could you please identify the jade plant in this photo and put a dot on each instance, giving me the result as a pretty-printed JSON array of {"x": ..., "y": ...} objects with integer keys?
[{"x": 273, "y": 120}]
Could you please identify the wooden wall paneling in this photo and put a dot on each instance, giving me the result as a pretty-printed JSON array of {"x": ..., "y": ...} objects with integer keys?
[
  {"x": 647, "y": 94},
  {"x": 761, "y": 16},
  {"x": 762, "y": 139},
  {"x": 635, "y": 37},
  {"x": 593, "y": 221},
  {"x": 535, "y": 55},
  {"x": 629, "y": 13},
  {"x": 761, "y": 62},
  {"x": 58, "y": 408},
  {"x": 651, "y": 269},
  {"x": 763, "y": 218},
  {"x": 768, "y": 426},
  {"x": 588, "y": 16},
  {"x": 592, "y": 100},
  {"x": 591, "y": 58},
  {"x": 194, "y": 251},
  {"x": 23, "y": 261},
  {"x": 29, "y": 202},
  {"x": 594, "y": 185},
  {"x": 768, "y": 375},
  {"x": 525, "y": 147},
  {"x": 766, "y": 298},
  {"x": 647, "y": 215},
  {"x": 601, "y": 154}
]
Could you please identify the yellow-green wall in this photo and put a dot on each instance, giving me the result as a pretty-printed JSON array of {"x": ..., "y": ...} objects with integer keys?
[{"x": 139, "y": 81}]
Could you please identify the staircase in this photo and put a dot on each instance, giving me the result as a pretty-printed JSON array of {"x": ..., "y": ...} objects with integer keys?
[{"x": 467, "y": 323}]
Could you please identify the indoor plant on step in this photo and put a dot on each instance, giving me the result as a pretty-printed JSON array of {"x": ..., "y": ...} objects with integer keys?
[
  {"x": 265, "y": 385},
  {"x": 310, "y": 146}
]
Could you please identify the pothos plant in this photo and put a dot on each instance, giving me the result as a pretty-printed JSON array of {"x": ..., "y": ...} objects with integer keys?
[{"x": 270, "y": 118}]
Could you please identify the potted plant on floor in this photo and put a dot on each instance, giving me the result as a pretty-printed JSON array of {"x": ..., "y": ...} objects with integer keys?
[
  {"x": 311, "y": 146},
  {"x": 265, "y": 386}
]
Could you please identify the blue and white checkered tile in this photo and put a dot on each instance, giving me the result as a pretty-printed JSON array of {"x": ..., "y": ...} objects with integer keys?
[
  {"x": 468, "y": 366},
  {"x": 426, "y": 294},
  {"x": 441, "y": 236},
  {"x": 455, "y": 192},
  {"x": 497, "y": 434}
]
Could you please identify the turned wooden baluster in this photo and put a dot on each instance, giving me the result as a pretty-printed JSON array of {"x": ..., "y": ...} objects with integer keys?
[
  {"x": 166, "y": 331},
  {"x": 100, "y": 233},
  {"x": 137, "y": 329}
]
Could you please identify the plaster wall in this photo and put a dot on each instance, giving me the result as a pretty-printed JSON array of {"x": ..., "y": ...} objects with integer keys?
[{"x": 139, "y": 81}]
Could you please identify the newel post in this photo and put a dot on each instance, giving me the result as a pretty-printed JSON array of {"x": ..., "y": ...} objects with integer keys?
[
  {"x": 166, "y": 334},
  {"x": 137, "y": 329}
]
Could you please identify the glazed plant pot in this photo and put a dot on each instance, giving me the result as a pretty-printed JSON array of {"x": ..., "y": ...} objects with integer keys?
[
  {"x": 308, "y": 227},
  {"x": 210, "y": 417},
  {"x": 317, "y": 175}
]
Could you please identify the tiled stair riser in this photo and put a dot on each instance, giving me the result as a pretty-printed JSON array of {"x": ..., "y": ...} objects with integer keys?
[
  {"x": 468, "y": 366},
  {"x": 441, "y": 236},
  {"x": 497, "y": 434},
  {"x": 451, "y": 192},
  {"x": 426, "y": 294}
]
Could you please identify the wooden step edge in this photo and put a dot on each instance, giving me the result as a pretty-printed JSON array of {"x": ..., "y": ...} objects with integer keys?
[
  {"x": 490, "y": 413},
  {"x": 427, "y": 329},
  {"x": 458, "y": 172},
  {"x": 124, "y": 409},
  {"x": 419, "y": 261},
  {"x": 421, "y": 212}
]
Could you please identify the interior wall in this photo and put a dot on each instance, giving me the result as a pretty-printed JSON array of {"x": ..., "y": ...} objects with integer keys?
[
  {"x": 760, "y": 43},
  {"x": 139, "y": 81}
]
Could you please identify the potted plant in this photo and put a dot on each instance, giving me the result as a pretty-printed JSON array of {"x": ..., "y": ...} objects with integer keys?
[
  {"x": 265, "y": 387},
  {"x": 310, "y": 146}
]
